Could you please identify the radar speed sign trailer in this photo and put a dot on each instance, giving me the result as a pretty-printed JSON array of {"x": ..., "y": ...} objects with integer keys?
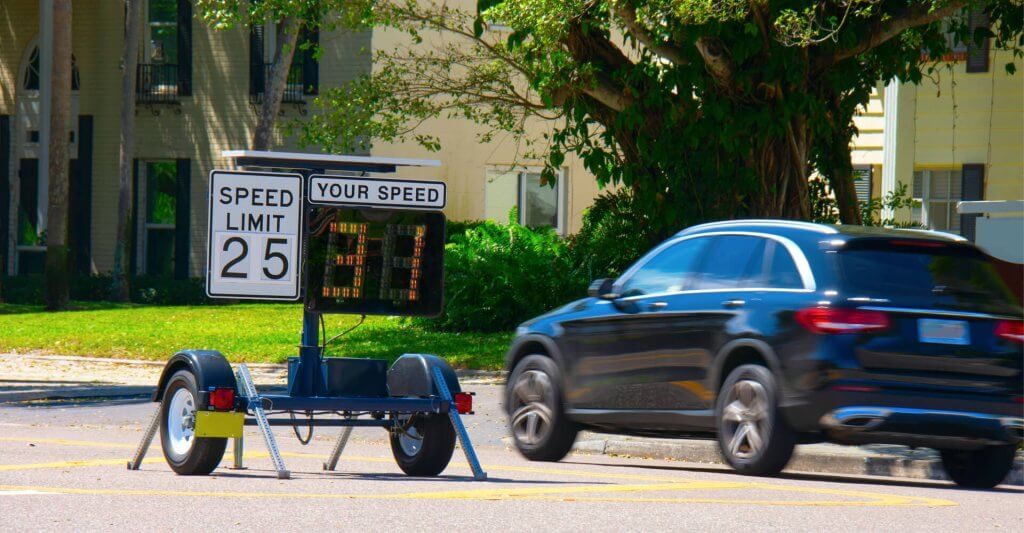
[{"x": 344, "y": 244}]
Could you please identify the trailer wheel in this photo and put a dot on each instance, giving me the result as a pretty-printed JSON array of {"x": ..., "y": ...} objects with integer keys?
[
  {"x": 425, "y": 444},
  {"x": 186, "y": 454}
]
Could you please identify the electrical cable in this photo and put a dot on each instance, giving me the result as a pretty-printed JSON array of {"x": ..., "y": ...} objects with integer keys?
[
  {"x": 295, "y": 428},
  {"x": 323, "y": 348}
]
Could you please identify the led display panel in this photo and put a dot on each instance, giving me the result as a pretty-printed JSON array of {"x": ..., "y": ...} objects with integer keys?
[{"x": 375, "y": 261}]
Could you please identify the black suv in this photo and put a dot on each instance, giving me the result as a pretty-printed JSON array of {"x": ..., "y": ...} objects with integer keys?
[{"x": 775, "y": 333}]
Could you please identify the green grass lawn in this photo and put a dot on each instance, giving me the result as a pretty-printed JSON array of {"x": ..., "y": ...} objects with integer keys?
[{"x": 243, "y": 332}]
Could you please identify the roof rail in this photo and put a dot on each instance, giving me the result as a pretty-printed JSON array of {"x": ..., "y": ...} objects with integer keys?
[
  {"x": 936, "y": 233},
  {"x": 811, "y": 226}
]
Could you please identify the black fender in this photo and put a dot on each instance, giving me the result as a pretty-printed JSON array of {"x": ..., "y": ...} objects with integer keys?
[
  {"x": 210, "y": 368},
  {"x": 413, "y": 375},
  {"x": 765, "y": 350},
  {"x": 520, "y": 348}
]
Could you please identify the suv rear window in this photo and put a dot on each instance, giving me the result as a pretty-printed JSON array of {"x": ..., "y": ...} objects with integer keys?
[{"x": 936, "y": 274}]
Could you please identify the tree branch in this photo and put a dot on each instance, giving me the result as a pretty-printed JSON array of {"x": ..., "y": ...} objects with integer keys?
[
  {"x": 627, "y": 14},
  {"x": 917, "y": 15},
  {"x": 717, "y": 60}
]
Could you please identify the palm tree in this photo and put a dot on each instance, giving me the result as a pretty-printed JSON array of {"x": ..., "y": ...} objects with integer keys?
[
  {"x": 119, "y": 289},
  {"x": 57, "y": 265}
]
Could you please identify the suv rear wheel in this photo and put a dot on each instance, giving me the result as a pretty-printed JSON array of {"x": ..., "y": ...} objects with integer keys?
[
  {"x": 979, "y": 469},
  {"x": 537, "y": 420},
  {"x": 752, "y": 436}
]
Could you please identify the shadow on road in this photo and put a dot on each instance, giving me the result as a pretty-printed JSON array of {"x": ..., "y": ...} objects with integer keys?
[{"x": 801, "y": 476}]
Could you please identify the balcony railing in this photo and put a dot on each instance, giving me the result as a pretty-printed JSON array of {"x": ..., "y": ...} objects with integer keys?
[
  {"x": 294, "y": 92},
  {"x": 157, "y": 84}
]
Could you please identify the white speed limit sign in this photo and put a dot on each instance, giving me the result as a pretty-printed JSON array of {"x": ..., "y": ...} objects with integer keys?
[{"x": 254, "y": 235}]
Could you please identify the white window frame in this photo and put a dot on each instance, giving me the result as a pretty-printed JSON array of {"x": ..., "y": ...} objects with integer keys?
[
  {"x": 560, "y": 203},
  {"x": 144, "y": 212},
  {"x": 147, "y": 36},
  {"x": 926, "y": 199}
]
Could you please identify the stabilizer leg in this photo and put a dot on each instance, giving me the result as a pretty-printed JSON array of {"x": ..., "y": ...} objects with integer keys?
[
  {"x": 237, "y": 450},
  {"x": 460, "y": 429},
  {"x": 256, "y": 406},
  {"x": 147, "y": 439},
  {"x": 339, "y": 447}
]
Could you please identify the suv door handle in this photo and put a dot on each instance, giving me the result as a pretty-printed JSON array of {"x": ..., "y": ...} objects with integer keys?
[
  {"x": 654, "y": 306},
  {"x": 732, "y": 304}
]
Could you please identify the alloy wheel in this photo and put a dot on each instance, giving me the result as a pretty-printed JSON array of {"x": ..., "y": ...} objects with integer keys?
[
  {"x": 532, "y": 414},
  {"x": 745, "y": 419}
]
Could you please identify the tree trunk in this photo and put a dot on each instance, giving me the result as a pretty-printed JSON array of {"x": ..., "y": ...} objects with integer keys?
[
  {"x": 273, "y": 90},
  {"x": 782, "y": 165},
  {"x": 120, "y": 288},
  {"x": 841, "y": 181},
  {"x": 57, "y": 266}
]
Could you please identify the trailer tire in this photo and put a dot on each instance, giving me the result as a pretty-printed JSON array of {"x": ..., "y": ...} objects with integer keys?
[
  {"x": 186, "y": 454},
  {"x": 426, "y": 447}
]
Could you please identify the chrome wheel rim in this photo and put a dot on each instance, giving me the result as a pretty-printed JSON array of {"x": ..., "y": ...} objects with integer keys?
[
  {"x": 745, "y": 419},
  {"x": 181, "y": 422},
  {"x": 533, "y": 406},
  {"x": 410, "y": 439}
]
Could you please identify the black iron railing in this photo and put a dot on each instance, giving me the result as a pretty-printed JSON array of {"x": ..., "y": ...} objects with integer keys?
[
  {"x": 294, "y": 91},
  {"x": 157, "y": 84}
]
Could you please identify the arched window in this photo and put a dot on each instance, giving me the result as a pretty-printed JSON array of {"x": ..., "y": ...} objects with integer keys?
[{"x": 31, "y": 78}]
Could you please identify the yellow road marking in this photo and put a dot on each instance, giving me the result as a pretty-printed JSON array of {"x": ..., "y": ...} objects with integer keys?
[{"x": 581, "y": 493}]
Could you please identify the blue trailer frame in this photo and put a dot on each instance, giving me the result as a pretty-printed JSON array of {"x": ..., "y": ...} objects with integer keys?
[{"x": 307, "y": 392}]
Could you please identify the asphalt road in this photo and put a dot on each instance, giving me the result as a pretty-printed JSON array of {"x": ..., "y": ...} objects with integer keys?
[{"x": 62, "y": 466}]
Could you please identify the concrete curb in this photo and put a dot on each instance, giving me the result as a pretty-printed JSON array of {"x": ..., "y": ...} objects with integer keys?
[
  {"x": 463, "y": 373},
  {"x": 107, "y": 392},
  {"x": 815, "y": 459}
]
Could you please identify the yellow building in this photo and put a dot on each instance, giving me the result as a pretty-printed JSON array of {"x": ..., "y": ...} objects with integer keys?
[{"x": 959, "y": 135}]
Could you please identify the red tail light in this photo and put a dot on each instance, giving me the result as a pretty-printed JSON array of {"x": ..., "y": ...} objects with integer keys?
[
  {"x": 222, "y": 399},
  {"x": 831, "y": 320},
  {"x": 1011, "y": 330},
  {"x": 464, "y": 403}
]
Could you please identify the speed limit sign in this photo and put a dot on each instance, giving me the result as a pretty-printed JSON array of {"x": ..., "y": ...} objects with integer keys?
[{"x": 254, "y": 235}]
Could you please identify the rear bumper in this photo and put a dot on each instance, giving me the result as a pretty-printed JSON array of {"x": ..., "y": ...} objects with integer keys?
[
  {"x": 920, "y": 427},
  {"x": 912, "y": 418}
]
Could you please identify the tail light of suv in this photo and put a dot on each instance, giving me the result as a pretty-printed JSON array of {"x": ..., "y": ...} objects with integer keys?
[
  {"x": 1011, "y": 330},
  {"x": 828, "y": 320}
]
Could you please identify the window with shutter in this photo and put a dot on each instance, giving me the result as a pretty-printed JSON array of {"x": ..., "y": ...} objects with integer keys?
[
  {"x": 185, "y": 47},
  {"x": 938, "y": 191},
  {"x": 862, "y": 175},
  {"x": 309, "y": 39},
  {"x": 973, "y": 188},
  {"x": 977, "y": 49}
]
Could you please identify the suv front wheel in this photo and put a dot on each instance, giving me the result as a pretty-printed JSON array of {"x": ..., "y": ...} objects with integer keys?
[
  {"x": 752, "y": 436},
  {"x": 537, "y": 420},
  {"x": 979, "y": 469}
]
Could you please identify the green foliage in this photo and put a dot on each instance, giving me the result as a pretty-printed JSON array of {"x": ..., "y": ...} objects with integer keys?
[
  {"x": 613, "y": 236},
  {"x": 702, "y": 109},
  {"x": 497, "y": 275},
  {"x": 898, "y": 201}
]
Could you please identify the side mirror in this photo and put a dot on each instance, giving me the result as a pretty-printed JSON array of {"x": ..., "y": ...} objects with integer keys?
[{"x": 603, "y": 289}]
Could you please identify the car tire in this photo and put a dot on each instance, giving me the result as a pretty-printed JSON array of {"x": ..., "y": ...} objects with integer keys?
[
  {"x": 534, "y": 401},
  {"x": 425, "y": 446},
  {"x": 979, "y": 469},
  {"x": 752, "y": 436},
  {"x": 186, "y": 454}
]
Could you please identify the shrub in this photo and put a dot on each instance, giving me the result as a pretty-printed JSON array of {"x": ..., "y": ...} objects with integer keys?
[
  {"x": 30, "y": 290},
  {"x": 612, "y": 237},
  {"x": 497, "y": 275}
]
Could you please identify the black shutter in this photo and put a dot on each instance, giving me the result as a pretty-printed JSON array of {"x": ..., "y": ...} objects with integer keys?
[
  {"x": 972, "y": 188},
  {"x": 133, "y": 241},
  {"x": 310, "y": 66},
  {"x": 80, "y": 191},
  {"x": 977, "y": 51},
  {"x": 5, "y": 189},
  {"x": 862, "y": 175},
  {"x": 256, "y": 65},
  {"x": 182, "y": 233},
  {"x": 184, "y": 48}
]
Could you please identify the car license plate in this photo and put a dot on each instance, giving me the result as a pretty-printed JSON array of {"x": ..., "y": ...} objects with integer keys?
[{"x": 943, "y": 331}]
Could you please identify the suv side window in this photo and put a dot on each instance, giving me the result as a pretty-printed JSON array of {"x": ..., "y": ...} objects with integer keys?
[
  {"x": 732, "y": 262},
  {"x": 782, "y": 271},
  {"x": 668, "y": 271}
]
